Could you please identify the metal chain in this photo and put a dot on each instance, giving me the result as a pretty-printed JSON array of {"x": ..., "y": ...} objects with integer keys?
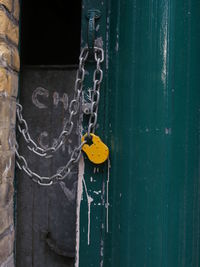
[
  {"x": 61, "y": 173},
  {"x": 68, "y": 126},
  {"x": 97, "y": 79},
  {"x": 64, "y": 171}
]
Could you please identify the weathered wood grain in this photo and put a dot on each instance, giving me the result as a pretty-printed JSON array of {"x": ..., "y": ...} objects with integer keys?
[{"x": 46, "y": 216}]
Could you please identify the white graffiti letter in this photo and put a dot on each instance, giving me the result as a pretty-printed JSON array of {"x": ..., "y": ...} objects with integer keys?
[{"x": 39, "y": 91}]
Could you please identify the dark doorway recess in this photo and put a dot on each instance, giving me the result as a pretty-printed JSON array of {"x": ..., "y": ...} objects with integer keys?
[
  {"x": 46, "y": 216},
  {"x": 50, "y": 32}
]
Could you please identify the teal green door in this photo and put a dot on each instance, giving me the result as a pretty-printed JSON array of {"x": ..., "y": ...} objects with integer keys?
[{"x": 147, "y": 210}]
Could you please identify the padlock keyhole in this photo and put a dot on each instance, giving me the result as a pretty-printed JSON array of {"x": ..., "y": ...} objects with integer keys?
[{"x": 88, "y": 139}]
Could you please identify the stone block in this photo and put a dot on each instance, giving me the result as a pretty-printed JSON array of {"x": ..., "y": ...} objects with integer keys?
[
  {"x": 8, "y": 28},
  {"x": 6, "y": 246},
  {"x": 9, "y": 56},
  {"x": 7, "y": 4},
  {"x": 15, "y": 63},
  {"x": 4, "y": 80},
  {"x": 8, "y": 83},
  {"x": 12, "y": 89},
  {"x": 7, "y": 139},
  {"x": 9, "y": 60},
  {"x": 13, "y": 32},
  {"x": 5, "y": 54},
  {"x": 16, "y": 9},
  {"x": 7, "y": 110},
  {"x": 6, "y": 195},
  {"x": 9, "y": 262},
  {"x": 7, "y": 166},
  {"x": 6, "y": 216}
]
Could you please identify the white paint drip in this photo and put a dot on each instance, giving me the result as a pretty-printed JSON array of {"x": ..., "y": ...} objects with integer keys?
[
  {"x": 107, "y": 197},
  {"x": 97, "y": 28},
  {"x": 89, "y": 200},
  {"x": 102, "y": 252},
  {"x": 99, "y": 42},
  {"x": 78, "y": 207},
  {"x": 97, "y": 192},
  {"x": 81, "y": 182}
]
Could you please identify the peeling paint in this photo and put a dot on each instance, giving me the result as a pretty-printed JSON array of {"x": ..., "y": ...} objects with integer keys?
[
  {"x": 117, "y": 44},
  {"x": 168, "y": 131},
  {"x": 97, "y": 28},
  {"x": 97, "y": 192},
  {"x": 103, "y": 194},
  {"x": 81, "y": 185},
  {"x": 99, "y": 42},
  {"x": 117, "y": 47},
  {"x": 164, "y": 48},
  {"x": 107, "y": 42},
  {"x": 78, "y": 207},
  {"x": 89, "y": 200},
  {"x": 102, "y": 253},
  {"x": 107, "y": 197}
]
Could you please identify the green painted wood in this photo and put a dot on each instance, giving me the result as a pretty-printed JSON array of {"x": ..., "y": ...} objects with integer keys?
[
  {"x": 95, "y": 178},
  {"x": 152, "y": 104}
]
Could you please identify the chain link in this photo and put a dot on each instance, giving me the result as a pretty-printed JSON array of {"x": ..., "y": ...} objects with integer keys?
[
  {"x": 68, "y": 126},
  {"x": 74, "y": 105},
  {"x": 97, "y": 79},
  {"x": 61, "y": 173}
]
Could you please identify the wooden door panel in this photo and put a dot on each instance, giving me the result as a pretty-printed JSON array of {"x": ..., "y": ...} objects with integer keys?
[{"x": 46, "y": 216}]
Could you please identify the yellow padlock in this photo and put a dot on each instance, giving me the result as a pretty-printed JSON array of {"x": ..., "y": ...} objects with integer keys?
[{"x": 97, "y": 152}]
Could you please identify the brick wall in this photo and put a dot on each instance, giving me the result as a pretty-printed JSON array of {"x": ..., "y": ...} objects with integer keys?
[{"x": 9, "y": 67}]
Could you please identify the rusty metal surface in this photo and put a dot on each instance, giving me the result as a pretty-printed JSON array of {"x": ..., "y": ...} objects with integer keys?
[{"x": 46, "y": 216}]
